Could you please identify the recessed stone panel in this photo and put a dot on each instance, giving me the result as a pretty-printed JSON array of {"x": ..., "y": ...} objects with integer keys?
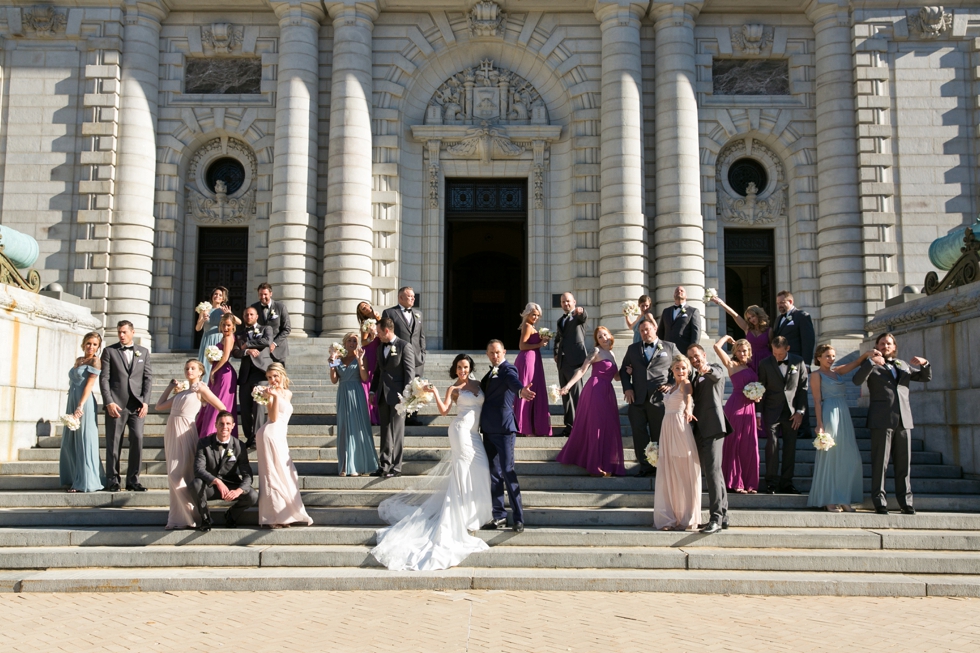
[
  {"x": 750, "y": 77},
  {"x": 223, "y": 76}
]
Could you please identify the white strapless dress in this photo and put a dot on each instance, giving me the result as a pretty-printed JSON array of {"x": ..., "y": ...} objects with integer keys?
[{"x": 431, "y": 521}]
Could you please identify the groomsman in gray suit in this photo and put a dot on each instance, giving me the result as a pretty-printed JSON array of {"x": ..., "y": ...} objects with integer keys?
[
  {"x": 570, "y": 354},
  {"x": 408, "y": 327},
  {"x": 710, "y": 428},
  {"x": 395, "y": 370},
  {"x": 274, "y": 314},
  {"x": 254, "y": 348},
  {"x": 680, "y": 323},
  {"x": 890, "y": 418},
  {"x": 126, "y": 382}
]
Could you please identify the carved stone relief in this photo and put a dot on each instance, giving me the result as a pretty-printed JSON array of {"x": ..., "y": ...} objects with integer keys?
[
  {"x": 218, "y": 206},
  {"x": 930, "y": 22},
  {"x": 486, "y": 19},
  {"x": 751, "y": 38},
  {"x": 222, "y": 37},
  {"x": 486, "y": 94},
  {"x": 45, "y": 20},
  {"x": 757, "y": 206}
]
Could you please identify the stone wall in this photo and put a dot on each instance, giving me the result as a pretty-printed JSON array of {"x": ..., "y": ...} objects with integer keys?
[{"x": 42, "y": 338}]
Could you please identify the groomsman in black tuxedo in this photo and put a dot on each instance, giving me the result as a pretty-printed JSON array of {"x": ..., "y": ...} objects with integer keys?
[
  {"x": 408, "y": 327},
  {"x": 222, "y": 471},
  {"x": 710, "y": 428},
  {"x": 253, "y": 347},
  {"x": 795, "y": 325},
  {"x": 274, "y": 314},
  {"x": 890, "y": 418},
  {"x": 570, "y": 354},
  {"x": 126, "y": 382},
  {"x": 395, "y": 370},
  {"x": 645, "y": 375},
  {"x": 784, "y": 375},
  {"x": 680, "y": 323}
]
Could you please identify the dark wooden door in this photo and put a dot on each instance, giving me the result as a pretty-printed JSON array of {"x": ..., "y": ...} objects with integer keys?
[
  {"x": 222, "y": 260},
  {"x": 750, "y": 263}
]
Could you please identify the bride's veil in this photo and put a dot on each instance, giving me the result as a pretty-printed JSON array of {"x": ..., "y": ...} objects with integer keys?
[{"x": 432, "y": 485}]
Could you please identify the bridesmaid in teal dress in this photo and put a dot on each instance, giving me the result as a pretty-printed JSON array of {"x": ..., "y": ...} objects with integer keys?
[
  {"x": 355, "y": 442},
  {"x": 633, "y": 321},
  {"x": 212, "y": 320},
  {"x": 81, "y": 467},
  {"x": 838, "y": 477}
]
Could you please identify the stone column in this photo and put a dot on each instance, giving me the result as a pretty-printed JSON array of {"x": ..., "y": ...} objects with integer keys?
[
  {"x": 678, "y": 226},
  {"x": 293, "y": 222},
  {"x": 622, "y": 224},
  {"x": 840, "y": 246},
  {"x": 132, "y": 223},
  {"x": 348, "y": 245}
]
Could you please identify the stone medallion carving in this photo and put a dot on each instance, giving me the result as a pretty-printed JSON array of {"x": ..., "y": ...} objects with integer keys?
[
  {"x": 486, "y": 94},
  {"x": 757, "y": 206},
  {"x": 486, "y": 19},
  {"x": 218, "y": 206},
  {"x": 485, "y": 143},
  {"x": 45, "y": 20},
  {"x": 222, "y": 37},
  {"x": 751, "y": 39},
  {"x": 930, "y": 22}
]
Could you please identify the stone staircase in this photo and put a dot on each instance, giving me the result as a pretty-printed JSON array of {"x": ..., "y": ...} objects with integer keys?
[{"x": 583, "y": 532}]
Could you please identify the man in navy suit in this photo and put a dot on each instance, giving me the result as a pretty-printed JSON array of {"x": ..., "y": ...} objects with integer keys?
[{"x": 500, "y": 385}]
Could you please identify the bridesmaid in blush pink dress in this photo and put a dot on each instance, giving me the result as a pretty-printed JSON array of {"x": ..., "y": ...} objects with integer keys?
[
  {"x": 755, "y": 324},
  {"x": 677, "y": 490},
  {"x": 223, "y": 382},
  {"x": 740, "y": 455},
  {"x": 370, "y": 345},
  {"x": 596, "y": 441},
  {"x": 533, "y": 416}
]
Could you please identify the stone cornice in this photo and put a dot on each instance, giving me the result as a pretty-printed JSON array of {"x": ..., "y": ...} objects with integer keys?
[
  {"x": 353, "y": 10},
  {"x": 611, "y": 9},
  {"x": 297, "y": 10},
  {"x": 33, "y": 307},
  {"x": 951, "y": 303},
  {"x": 677, "y": 10}
]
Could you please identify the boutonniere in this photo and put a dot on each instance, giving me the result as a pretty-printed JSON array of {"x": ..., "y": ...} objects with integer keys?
[
  {"x": 254, "y": 330},
  {"x": 683, "y": 310},
  {"x": 136, "y": 353},
  {"x": 792, "y": 368},
  {"x": 897, "y": 364},
  {"x": 416, "y": 315},
  {"x": 659, "y": 345},
  {"x": 393, "y": 350},
  {"x": 494, "y": 370},
  {"x": 273, "y": 315}
]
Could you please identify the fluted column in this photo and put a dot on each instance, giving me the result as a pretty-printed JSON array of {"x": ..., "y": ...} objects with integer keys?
[
  {"x": 678, "y": 226},
  {"x": 293, "y": 222},
  {"x": 840, "y": 246},
  {"x": 132, "y": 221},
  {"x": 348, "y": 236},
  {"x": 622, "y": 224}
]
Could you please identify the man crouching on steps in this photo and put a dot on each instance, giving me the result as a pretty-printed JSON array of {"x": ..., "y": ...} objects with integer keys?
[{"x": 221, "y": 471}]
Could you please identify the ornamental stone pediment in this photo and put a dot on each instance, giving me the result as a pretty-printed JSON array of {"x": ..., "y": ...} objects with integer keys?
[
  {"x": 486, "y": 141},
  {"x": 488, "y": 94}
]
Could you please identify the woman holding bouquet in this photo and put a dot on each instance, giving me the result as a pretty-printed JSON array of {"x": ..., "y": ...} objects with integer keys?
[
  {"x": 370, "y": 344},
  {"x": 838, "y": 477},
  {"x": 533, "y": 416},
  {"x": 183, "y": 400},
  {"x": 355, "y": 443},
  {"x": 366, "y": 312},
  {"x": 596, "y": 441},
  {"x": 633, "y": 319},
  {"x": 677, "y": 491},
  {"x": 224, "y": 379},
  {"x": 211, "y": 319},
  {"x": 80, "y": 467},
  {"x": 755, "y": 324},
  {"x": 740, "y": 456}
]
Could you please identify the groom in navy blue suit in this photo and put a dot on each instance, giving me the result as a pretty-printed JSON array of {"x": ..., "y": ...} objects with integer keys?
[{"x": 500, "y": 386}]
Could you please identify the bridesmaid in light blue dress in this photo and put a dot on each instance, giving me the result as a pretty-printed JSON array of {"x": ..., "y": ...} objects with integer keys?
[
  {"x": 838, "y": 477},
  {"x": 80, "y": 467},
  {"x": 633, "y": 321},
  {"x": 210, "y": 323},
  {"x": 355, "y": 443}
]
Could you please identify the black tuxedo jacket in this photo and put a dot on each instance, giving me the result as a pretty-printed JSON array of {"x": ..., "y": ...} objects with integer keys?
[
  {"x": 414, "y": 334},
  {"x": 280, "y": 327},
  {"x": 889, "y": 407},
  {"x": 648, "y": 375},
  {"x": 684, "y": 331},
  {"x": 797, "y": 327},
  {"x": 120, "y": 383},
  {"x": 211, "y": 462},
  {"x": 569, "y": 341},
  {"x": 708, "y": 391},
  {"x": 394, "y": 372},
  {"x": 248, "y": 340},
  {"x": 499, "y": 393},
  {"x": 784, "y": 396}
]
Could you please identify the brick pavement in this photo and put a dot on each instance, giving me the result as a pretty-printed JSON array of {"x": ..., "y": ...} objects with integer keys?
[{"x": 479, "y": 621}]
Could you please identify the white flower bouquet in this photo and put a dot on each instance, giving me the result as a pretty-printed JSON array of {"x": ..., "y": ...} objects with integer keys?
[
  {"x": 653, "y": 453},
  {"x": 554, "y": 393},
  {"x": 824, "y": 441},
  {"x": 204, "y": 307},
  {"x": 70, "y": 422},
  {"x": 180, "y": 387},
  {"x": 212, "y": 353},
  {"x": 709, "y": 293},
  {"x": 339, "y": 348},
  {"x": 259, "y": 396},
  {"x": 545, "y": 332},
  {"x": 367, "y": 324},
  {"x": 754, "y": 391},
  {"x": 415, "y": 397},
  {"x": 631, "y": 308}
]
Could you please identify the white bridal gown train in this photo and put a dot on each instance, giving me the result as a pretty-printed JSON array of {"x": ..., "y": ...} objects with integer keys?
[{"x": 431, "y": 521}]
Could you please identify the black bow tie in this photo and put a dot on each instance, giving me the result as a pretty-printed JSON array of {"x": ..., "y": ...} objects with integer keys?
[
  {"x": 784, "y": 362},
  {"x": 890, "y": 361},
  {"x": 130, "y": 348}
]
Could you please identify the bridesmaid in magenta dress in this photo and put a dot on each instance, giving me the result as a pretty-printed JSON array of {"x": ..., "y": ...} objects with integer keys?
[
  {"x": 740, "y": 455},
  {"x": 755, "y": 324},
  {"x": 596, "y": 441},
  {"x": 534, "y": 416},
  {"x": 223, "y": 382},
  {"x": 370, "y": 344}
]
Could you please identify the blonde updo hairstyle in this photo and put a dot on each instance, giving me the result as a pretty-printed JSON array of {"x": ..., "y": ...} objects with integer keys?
[
  {"x": 197, "y": 363},
  {"x": 278, "y": 367}
]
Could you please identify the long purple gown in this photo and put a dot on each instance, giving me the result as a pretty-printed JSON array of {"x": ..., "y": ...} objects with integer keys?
[
  {"x": 224, "y": 385},
  {"x": 596, "y": 441},
  {"x": 760, "y": 349},
  {"x": 533, "y": 417},
  {"x": 371, "y": 362},
  {"x": 740, "y": 455}
]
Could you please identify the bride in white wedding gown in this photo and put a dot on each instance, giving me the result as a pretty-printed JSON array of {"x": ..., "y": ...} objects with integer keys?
[{"x": 431, "y": 520}]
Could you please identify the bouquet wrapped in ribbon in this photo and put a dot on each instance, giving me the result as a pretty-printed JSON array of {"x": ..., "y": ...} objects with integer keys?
[
  {"x": 653, "y": 453},
  {"x": 754, "y": 391},
  {"x": 416, "y": 395},
  {"x": 545, "y": 332},
  {"x": 204, "y": 307},
  {"x": 70, "y": 422},
  {"x": 259, "y": 396},
  {"x": 631, "y": 308},
  {"x": 554, "y": 393},
  {"x": 823, "y": 441},
  {"x": 709, "y": 293},
  {"x": 339, "y": 348},
  {"x": 212, "y": 353}
]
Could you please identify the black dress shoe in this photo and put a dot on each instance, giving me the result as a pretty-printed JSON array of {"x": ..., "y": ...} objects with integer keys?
[
  {"x": 114, "y": 487},
  {"x": 519, "y": 527},
  {"x": 377, "y": 472},
  {"x": 567, "y": 431},
  {"x": 908, "y": 510},
  {"x": 494, "y": 524},
  {"x": 788, "y": 489},
  {"x": 712, "y": 528},
  {"x": 136, "y": 487},
  {"x": 767, "y": 490},
  {"x": 393, "y": 474},
  {"x": 204, "y": 528},
  {"x": 230, "y": 522},
  {"x": 724, "y": 526},
  {"x": 646, "y": 472},
  {"x": 881, "y": 511}
]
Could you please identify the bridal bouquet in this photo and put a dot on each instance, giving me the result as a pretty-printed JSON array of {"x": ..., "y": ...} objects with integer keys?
[
  {"x": 545, "y": 332},
  {"x": 554, "y": 392},
  {"x": 631, "y": 308},
  {"x": 416, "y": 396},
  {"x": 709, "y": 293},
  {"x": 653, "y": 453},
  {"x": 180, "y": 386},
  {"x": 824, "y": 441},
  {"x": 204, "y": 307},
  {"x": 212, "y": 353},
  {"x": 259, "y": 396},
  {"x": 339, "y": 348},
  {"x": 754, "y": 391},
  {"x": 70, "y": 422}
]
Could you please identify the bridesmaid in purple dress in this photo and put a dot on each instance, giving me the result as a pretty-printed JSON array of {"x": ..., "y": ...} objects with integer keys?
[
  {"x": 755, "y": 324},
  {"x": 533, "y": 416},
  {"x": 740, "y": 456},
  {"x": 370, "y": 344},
  {"x": 223, "y": 382},
  {"x": 596, "y": 441}
]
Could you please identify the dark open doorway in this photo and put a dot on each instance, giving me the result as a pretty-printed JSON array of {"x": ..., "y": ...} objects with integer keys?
[
  {"x": 222, "y": 260},
  {"x": 486, "y": 261},
  {"x": 750, "y": 261}
]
